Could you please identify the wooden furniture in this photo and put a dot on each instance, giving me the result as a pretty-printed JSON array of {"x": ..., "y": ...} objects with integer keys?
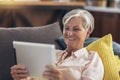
[
  {"x": 18, "y": 14},
  {"x": 107, "y": 20},
  {"x": 44, "y": 3}
]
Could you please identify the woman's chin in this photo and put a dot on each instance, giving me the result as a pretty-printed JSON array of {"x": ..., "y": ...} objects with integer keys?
[
  {"x": 70, "y": 42},
  {"x": 70, "y": 46}
]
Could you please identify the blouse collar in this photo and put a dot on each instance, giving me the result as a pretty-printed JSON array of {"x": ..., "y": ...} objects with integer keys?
[{"x": 78, "y": 53}]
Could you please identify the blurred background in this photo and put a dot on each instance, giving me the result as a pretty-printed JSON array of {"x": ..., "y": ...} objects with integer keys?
[{"x": 32, "y": 13}]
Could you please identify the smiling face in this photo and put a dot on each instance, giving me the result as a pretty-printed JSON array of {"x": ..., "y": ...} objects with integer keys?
[{"x": 75, "y": 34}]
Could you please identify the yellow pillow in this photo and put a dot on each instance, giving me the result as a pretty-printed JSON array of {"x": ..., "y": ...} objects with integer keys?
[{"x": 111, "y": 64}]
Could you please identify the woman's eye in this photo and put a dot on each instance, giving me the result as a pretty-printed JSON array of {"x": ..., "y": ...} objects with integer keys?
[
  {"x": 66, "y": 28},
  {"x": 76, "y": 29}
]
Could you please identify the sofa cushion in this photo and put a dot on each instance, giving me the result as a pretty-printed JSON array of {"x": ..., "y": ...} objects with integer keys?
[
  {"x": 43, "y": 34},
  {"x": 105, "y": 50}
]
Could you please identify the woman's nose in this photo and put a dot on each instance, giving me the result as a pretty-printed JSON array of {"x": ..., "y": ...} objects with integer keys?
[{"x": 70, "y": 32}]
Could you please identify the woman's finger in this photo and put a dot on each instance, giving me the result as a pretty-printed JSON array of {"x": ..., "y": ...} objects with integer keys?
[
  {"x": 52, "y": 69},
  {"x": 52, "y": 75},
  {"x": 19, "y": 72}
]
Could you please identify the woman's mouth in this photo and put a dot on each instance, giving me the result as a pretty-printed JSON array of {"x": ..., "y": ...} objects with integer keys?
[{"x": 71, "y": 39}]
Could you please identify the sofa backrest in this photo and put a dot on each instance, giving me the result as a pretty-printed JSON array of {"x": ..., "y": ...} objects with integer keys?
[{"x": 42, "y": 34}]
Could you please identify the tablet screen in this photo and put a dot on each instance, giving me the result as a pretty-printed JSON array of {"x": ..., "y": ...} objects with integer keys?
[{"x": 35, "y": 56}]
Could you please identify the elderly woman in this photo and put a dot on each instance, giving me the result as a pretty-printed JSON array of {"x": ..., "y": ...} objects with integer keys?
[{"x": 74, "y": 63}]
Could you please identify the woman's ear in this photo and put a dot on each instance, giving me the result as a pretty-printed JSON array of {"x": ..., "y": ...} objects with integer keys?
[{"x": 88, "y": 34}]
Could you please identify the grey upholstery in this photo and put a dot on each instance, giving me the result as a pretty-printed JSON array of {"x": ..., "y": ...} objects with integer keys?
[{"x": 43, "y": 34}]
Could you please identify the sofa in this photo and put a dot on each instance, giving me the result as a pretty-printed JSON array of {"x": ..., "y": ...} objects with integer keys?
[
  {"x": 40, "y": 34},
  {"x": 50, "y": 34}
]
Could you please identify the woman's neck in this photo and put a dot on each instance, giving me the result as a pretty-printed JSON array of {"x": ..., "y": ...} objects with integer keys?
[{"x": 70, "y": 51}]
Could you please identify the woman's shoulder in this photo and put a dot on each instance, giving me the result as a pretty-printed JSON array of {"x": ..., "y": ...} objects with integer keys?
[
  {"x": 93, "y": 52},
  {"x": 94, "y": 55}
]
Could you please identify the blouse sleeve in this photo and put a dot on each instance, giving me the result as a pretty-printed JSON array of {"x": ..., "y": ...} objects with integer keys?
[{"x": 94, "y": 70}]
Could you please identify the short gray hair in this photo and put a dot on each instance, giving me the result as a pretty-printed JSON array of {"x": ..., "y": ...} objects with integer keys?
[{"x": 87, "y": 16}]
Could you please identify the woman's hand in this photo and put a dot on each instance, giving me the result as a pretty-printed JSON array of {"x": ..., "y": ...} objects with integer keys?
[
  {"x": 19, "y": 72},
  {"x": 53, "y": 73}
]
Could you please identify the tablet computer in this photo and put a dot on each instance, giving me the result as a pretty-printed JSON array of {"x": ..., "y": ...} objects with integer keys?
[{"x": 35, "y": 56}]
